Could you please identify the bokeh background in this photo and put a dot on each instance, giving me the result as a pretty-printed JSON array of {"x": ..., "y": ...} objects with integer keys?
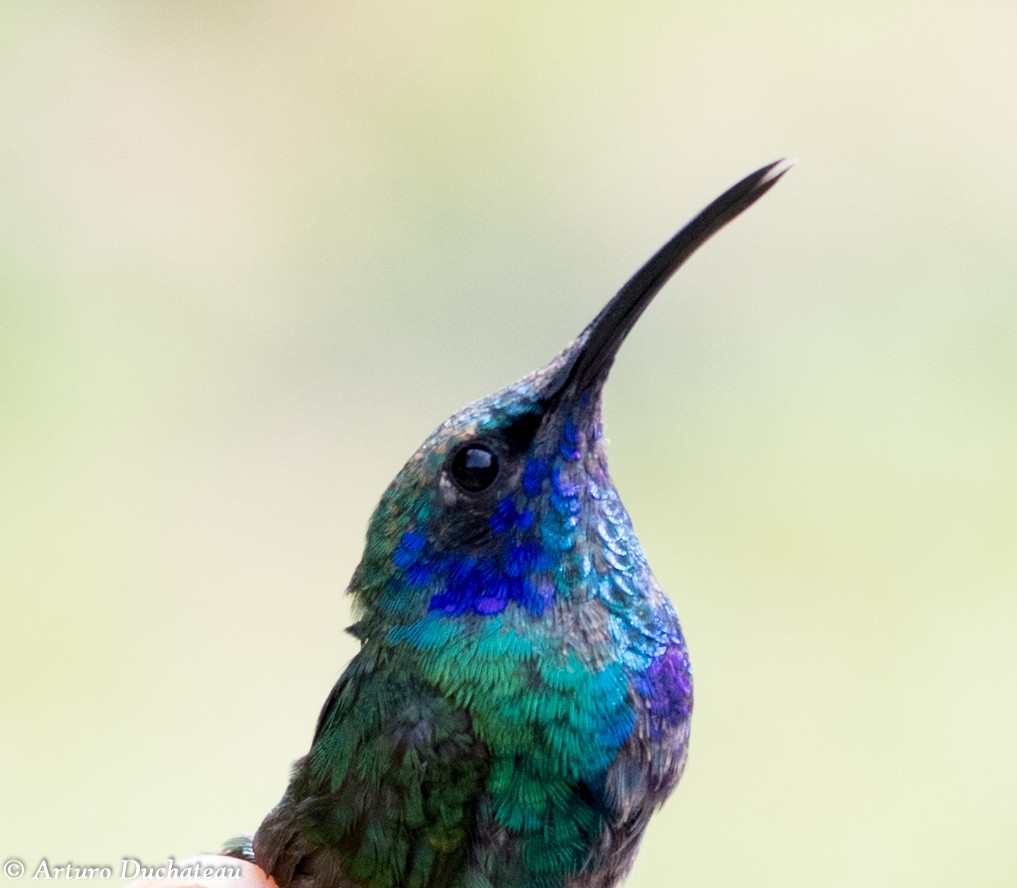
[{"x": 252, "y": 253}]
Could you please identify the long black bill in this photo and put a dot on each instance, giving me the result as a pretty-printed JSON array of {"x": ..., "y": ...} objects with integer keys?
[{"x": 599, "y": 342}]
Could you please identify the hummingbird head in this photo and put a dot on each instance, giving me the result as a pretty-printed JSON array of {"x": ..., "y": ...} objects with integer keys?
[{"x": 507, "y": 507}]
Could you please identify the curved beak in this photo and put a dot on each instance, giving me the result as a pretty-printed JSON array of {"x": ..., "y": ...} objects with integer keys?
[{"x": 589, "y": 358}]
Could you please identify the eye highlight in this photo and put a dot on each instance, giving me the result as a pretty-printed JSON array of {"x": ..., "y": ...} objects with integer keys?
[{"x": 474, "y": 467}]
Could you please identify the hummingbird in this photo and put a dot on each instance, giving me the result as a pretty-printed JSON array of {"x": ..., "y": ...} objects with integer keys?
[{"x": 521, "y": 701}]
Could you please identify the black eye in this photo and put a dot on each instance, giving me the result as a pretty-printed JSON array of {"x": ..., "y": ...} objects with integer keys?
[{"x": 474, "y": 468}]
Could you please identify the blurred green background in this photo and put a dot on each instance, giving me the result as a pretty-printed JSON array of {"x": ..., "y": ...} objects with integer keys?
[{"x": 252, "y": 253}]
